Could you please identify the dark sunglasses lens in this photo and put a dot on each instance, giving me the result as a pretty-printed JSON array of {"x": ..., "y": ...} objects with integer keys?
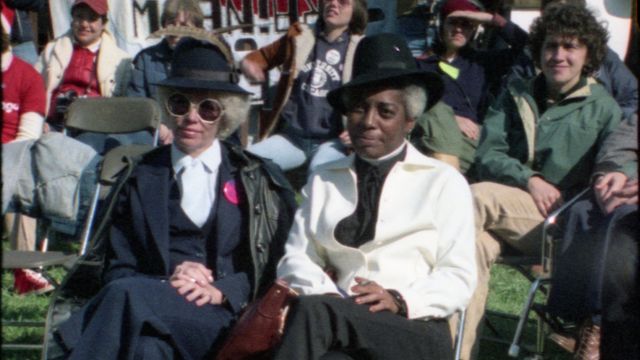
[
  {"x": 178, "y": 105},
  {"x": 209, "y": 110}
]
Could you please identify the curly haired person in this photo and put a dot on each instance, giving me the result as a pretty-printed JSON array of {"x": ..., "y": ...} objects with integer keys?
[{"x": 539, "y": 141}]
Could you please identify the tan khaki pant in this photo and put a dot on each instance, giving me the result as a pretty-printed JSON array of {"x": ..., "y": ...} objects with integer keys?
[
  {"x": 21, "y": 231},
  {"x": 502, "y": 214}
]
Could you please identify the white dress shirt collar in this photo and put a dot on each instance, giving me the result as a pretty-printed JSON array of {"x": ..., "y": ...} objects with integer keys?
[{"x": 211, "y": 158}]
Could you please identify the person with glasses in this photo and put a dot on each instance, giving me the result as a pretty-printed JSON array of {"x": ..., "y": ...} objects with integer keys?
[
  {"x": 468, "y": 73},
  {"x": 152, "y": 63},
  {"x": 84, "y": 62},
  {"x": 197, "y": 229}
]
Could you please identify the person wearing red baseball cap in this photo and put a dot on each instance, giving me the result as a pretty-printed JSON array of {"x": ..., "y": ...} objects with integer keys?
[
  {"x": 470, "y": 74},
  {"x": 84, "y": 62}
]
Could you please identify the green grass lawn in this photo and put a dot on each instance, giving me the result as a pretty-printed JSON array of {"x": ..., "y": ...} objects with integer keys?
[{"x": 508, "y": 291}]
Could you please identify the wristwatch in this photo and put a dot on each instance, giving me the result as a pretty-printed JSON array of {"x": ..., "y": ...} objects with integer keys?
[{"x": 399, "y": 301}]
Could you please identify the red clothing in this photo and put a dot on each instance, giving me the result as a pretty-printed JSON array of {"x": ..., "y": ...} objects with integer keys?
[
  {"x": 81, "y": 76},
  {"x": 22, "y": 92},
  {"x": 8, "y": 14}
]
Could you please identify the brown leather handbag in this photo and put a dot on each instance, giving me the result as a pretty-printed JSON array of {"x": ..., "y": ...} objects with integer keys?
[{"x": 260, "y": 326}]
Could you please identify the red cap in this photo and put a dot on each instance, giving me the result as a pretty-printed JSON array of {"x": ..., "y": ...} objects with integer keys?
[
  {"x": 455, "y": 5},
  {"x": 101, "y": 7}
]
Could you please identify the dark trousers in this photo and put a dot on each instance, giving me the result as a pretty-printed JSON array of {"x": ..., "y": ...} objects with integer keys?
[
  {"x": 143, "y": 318},
  {"x": 596, "y": 275},
  {"x": 580, "y": 271},
  {"x": 326, "y": 327},
  {"x": 621, "y": 289}
]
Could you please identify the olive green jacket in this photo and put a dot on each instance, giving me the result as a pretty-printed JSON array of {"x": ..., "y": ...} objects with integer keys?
[
  {"x": 436, "y": 131},
  {"x": 559, "y": 145}
]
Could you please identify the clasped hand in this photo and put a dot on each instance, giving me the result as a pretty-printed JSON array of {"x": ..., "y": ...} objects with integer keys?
[
  {"x": 615, "y": 189},
  {"x": 195, "y": 282},
  {"x": 369, "y": 292}
]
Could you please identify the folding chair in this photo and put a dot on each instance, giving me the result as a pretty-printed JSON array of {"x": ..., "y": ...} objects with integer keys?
[
  {"x": 42, "y": 261},
  {"x": 113, "y": 116},
  {"x": 117, "y": 115},
  {"x": 84, "y": 279},
  {"x": 110, "y": 169},
  {"x": 100, "y": 115},
  {"x": 541, "y": 284}
]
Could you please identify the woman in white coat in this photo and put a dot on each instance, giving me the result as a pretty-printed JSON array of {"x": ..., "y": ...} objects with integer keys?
[{"x": 382, "y": 248}]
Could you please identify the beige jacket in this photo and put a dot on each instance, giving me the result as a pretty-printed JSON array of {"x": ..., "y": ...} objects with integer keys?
[
  {"x": 424, "y": 245},
  {"x": 114, "y": 65}
]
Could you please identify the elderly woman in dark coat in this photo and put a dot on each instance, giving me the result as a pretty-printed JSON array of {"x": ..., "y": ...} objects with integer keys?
[{"x": 196, "y": 230}]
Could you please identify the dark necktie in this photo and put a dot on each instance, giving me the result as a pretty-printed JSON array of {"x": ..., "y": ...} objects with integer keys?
[{"x": 360, "y": 227}]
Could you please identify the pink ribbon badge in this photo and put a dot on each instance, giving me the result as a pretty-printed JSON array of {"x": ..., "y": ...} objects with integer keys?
[{"x": 231, "y": 192}]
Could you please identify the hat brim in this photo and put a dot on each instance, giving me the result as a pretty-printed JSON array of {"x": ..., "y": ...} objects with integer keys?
[
  {"x": 183, "y": 83},
  {"x": 430, "y": 81}
]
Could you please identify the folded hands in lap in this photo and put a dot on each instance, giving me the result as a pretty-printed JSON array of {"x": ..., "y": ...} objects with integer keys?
[{"x": 195, "y": 282}]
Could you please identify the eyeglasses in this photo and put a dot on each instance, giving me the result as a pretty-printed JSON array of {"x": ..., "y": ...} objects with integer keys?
[{"x": 209, "y": 110}]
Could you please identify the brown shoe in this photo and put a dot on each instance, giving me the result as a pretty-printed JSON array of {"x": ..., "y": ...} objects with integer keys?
[
  {"x": 566, "y": 342},
  {"x": 589, "y": 344}
]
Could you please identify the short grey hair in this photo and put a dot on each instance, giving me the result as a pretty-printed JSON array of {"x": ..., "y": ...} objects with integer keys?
[
  {"x": 236, "y": 107},
  {"x": 414, "y": 96},
  {"x": 415, "y": 100}
]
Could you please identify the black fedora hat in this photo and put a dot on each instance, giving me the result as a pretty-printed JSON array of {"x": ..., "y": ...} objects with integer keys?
[
  {"x": 384, "y": 59},
  {"x": 199, "y": 64}
]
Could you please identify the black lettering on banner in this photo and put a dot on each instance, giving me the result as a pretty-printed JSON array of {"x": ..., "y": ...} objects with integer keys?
[
  {"x": 247, "y": 14},
  {"x": 313, "y": 12},
  {"x": 263, "y": 9},
  {"x": 148, "y": 9},
  {"x": 216, "y": 12},
  {"x": 243, "y": 12},
  {"x": 232, "y": 11}
]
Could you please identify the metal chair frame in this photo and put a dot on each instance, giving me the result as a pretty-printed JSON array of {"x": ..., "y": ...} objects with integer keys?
[
  {"x": 541, "y": 284},
  {"x": 116, "y": 115},
  {"x": 100, "y": 115},
  {"x": 459, "y": 334},
  {"x": 39, "y": 261}
]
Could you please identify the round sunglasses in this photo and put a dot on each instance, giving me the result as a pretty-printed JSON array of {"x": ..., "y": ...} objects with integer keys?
[{"x": 209, "y": 110}]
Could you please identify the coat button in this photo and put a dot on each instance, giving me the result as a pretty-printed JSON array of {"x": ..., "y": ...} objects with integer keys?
[
  {"x": 257, "y": 209},
  {"x": 260, "y": 248}
]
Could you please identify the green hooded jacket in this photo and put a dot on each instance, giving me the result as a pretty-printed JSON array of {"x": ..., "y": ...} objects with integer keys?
[{"x": 560, "y": 145}]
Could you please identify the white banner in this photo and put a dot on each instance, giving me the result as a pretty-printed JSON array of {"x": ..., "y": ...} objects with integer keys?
[{"x": 131, "y": 21}]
